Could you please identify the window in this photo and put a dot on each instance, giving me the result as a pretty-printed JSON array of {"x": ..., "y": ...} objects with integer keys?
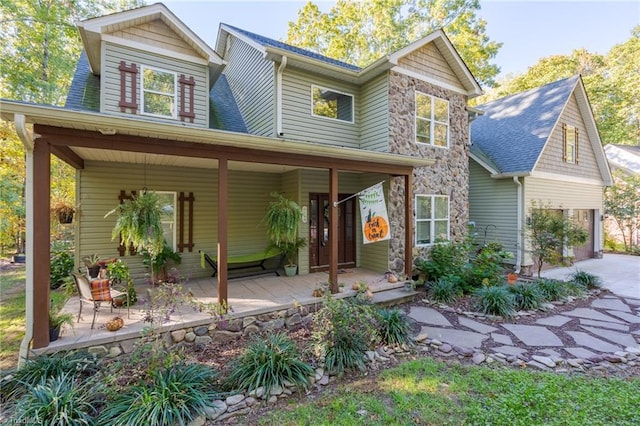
[
  {"x": 432, "y": 218},
  {"x": 158, "y": 92},
  {"x": 432, "y": 120},
  {"x": 168, "y": 203},
  {"x": 569, "y": 144},
  {"x": 331, "y": 104}
]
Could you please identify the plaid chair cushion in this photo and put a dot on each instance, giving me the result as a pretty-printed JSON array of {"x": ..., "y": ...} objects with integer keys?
[{"x": 101, "y": 290}]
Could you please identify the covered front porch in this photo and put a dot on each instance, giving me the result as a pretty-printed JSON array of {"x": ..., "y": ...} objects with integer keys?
[{"x": 247, "y": 297}]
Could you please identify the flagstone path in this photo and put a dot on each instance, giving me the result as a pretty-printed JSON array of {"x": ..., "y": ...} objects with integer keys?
[{"x": 605, "y": 332}]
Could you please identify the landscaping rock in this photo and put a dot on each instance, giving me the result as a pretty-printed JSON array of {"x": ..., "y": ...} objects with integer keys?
[
  {"x": 178, "y": 335},
  {"x": 190, "y": 337}
]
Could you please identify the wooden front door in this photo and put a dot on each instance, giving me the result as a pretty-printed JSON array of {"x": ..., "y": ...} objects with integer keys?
[
  {"x": 585, "y": 220},
  {"x": 319, "y": 236}
]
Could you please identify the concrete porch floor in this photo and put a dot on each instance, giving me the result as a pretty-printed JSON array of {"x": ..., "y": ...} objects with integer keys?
[{"x": 246, "y": 296}]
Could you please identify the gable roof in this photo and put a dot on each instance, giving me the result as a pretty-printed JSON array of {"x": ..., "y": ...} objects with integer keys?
[
  {"x": 514, "y": 130},
  {"x": 625, "y": 157},
  {"x": 311, "y": 61}
]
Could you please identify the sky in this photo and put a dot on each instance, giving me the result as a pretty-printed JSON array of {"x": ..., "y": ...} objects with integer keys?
[{"x": 529, "y": 30}]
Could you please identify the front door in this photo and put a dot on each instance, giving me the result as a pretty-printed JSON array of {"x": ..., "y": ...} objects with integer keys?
[
  {"x": 585, "y": 220},
  {"x": 319, "y": 236}
]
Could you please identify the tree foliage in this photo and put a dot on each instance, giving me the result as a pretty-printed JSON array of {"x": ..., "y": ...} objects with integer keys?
[
  {"x": 622, "y": 202},
  {"x": 612, "y": 82},
  {"x": 361, "y": 32}
]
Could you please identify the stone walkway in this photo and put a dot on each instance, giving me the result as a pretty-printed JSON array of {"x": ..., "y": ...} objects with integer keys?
[{"x": 605, "y": 334}]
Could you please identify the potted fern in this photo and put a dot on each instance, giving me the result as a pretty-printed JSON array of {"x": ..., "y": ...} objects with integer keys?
[
  {"x": 139, "y": 223},
  {"x": 283, "y": 218}
]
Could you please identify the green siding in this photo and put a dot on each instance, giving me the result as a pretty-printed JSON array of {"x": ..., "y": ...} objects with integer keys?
[
  {"x": 252, "y": 81},
  {"x": 110, "y": 82},
  {"x": 375, "y": 115}
]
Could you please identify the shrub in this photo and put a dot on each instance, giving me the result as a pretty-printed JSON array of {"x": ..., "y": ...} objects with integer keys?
[
  {"x": 486, "y": 268},
  {"x": 342, "y": 332},
  {"x": 173, "y": 395},
  {"x": 38, "y": 370},
  {"x": 445, "y": 258},
  {"x": 551, "y": 289},
  {"x": 527, "y": 296},
  {"x": 495, "y": 300},
  {"x": 269, "y": 362},
  {"x": 587, "y": 280},
  {"x": 61, "y": 266},
  {"x": 445, "y": 290},
  {"x": 57, "y": 400},
  {"x": 572, "y": 288},
  {"x": 394, "y": 327}
]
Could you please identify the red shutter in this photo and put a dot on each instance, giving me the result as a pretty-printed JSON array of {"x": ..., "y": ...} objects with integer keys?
[
  {"x": 181, "y": 222},
  {"x": 186, "y": 98},
  {"x": 128, "y": 73}
]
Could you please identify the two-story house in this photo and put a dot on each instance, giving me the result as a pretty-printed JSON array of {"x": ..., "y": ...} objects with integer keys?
[{"x": 216, "y": 131}]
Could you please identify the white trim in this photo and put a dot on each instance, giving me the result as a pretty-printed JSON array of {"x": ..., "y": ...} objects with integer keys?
[
  {"x": 566, "y": 178},
  {"x": 519, "y": 224},
  {"x": 483, "y": 164},
  {"x": 430, "y": 80},
  {"x": 432, "y": 220},
  {"x": 174, "y": 112},
  {"x": 353, "y": 102},
  {"x": 259, "y": 47},
  {"x": 283, "y": 64},
  {"x": 148, "y": 48}
]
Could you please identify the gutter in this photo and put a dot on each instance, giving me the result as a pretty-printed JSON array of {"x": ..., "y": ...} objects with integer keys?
[
  {"x": 28, "y": 140},
  {"x": 283, "y": 64},
  {"x": 519, "y": 222}
]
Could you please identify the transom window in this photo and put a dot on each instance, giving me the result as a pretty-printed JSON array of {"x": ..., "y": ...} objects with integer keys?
[
  {"x": 432, "y": 120},
  {"x": 158, "y": 92},
  {"x": 329, "y": 103},
  {"x": 432, "y": 219},
  {"x": 570, "y": 144}
]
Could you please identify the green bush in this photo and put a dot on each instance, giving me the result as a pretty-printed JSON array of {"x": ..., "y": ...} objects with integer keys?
[
  {"x": 551, "y": 289},
  {"x": 61, "y": 265},
  {"x": 57, "y": 400},
  {"x": 445, "y": 290},
  {"x": 528, "y": 296},
  {"x": 445, "y": 258},
  {"x": 495, "y": 300},
  {"x": 173, "y": 395},
  {"x": 342, "y": 332},
  {"x": 394, "y": 327},
  {"x": 38, "y": 370},
  {"x": 269, "y": 361},
  {"x": 572, "y": 288},
  {"x": 486, "y": 268},
  {"x": 587, "y": 280}
]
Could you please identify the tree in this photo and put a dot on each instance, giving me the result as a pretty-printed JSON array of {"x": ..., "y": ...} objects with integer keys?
[
  {"x": 549, "y": 233},
  {"x": 622, "y": 202},
  {"x": 361, "y": 32}
]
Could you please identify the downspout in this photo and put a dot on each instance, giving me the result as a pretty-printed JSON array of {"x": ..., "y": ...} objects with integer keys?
[
  {"x": 28, "y": 140},
  {"x": 283, "y": 64},
  {"x": 519, "y": 222}
]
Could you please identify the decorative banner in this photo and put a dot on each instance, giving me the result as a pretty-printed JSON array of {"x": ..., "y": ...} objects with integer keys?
[{"x": 373, "y": 211}]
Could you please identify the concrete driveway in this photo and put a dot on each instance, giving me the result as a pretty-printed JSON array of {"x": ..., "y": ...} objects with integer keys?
[{"x": 620, "y": 273}]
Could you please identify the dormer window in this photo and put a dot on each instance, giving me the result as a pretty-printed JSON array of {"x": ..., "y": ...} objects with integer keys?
[
  {"x": 330, "y": 103},
  {"x": 432, "y": 120},
  {"x": 158, "y": 92}
]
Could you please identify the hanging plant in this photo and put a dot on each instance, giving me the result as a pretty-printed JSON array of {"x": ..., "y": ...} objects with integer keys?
[
  {"x": 64, "y": 212},
  {"x": 139, "y": 223},
  {"x": 282, "y": 218}
]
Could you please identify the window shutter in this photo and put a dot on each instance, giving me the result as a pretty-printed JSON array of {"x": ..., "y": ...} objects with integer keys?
[
  {"x": 128, "y": 73},
  {"x": 188, "y": 200},
  {"x": 564, "y": 142},
  {"x": 576, "y": 147},
  {"x": 186, "y": 98},
  {"x": 122, "y": 250}
]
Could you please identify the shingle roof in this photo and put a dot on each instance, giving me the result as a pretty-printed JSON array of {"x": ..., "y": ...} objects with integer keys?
[
  {"x": 84, "y": 93},
  {"x": 223, "y": 110},
  {"x": 265, "y": 41},
  {"x": 514, "y": 130}
]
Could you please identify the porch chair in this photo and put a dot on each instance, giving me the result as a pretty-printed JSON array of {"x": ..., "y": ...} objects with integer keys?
[{"x": 96, "y": 292}]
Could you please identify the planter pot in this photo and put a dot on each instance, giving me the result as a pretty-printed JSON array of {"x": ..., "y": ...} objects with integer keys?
[
  {"x": 19, "y": 258},
  {"x": 54, "y": 334},
  {"x": 290, "y": 271},
  {"x": 94, "y": 271},
  {"x": 65, "y": 217},
  {"x": 409, "y": 286}
]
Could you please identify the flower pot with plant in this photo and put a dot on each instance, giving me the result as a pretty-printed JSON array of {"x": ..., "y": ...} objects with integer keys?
[
  {"x": 64, "y": 212},
  {"x": 158, "y": 263},
  {"x": 56, "y": 320},
  {"x": 121, "y": 278},
  {"x": 283, "y": 219},
  {"x": 92, "y": 263}
]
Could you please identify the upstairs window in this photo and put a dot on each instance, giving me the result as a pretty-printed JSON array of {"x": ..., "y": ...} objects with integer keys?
[
  {"x": 158, "y": 92},
  {"x": 569, "y": 144},
  {"x": 329, "y": 103},
  {"x": 432, "y": 219},
  {"x": 432, "y": 120}
]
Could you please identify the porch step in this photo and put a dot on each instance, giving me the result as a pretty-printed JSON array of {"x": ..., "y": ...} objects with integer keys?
[{"x": 393, "y": 297}]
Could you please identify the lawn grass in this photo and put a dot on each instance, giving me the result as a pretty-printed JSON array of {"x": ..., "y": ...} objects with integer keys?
[
  {"x": 431, "y": 392},
  {"x": 12, "y": 314}
]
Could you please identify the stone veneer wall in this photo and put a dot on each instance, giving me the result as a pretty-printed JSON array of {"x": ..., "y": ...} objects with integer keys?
[{"x": 449, "y": 175}]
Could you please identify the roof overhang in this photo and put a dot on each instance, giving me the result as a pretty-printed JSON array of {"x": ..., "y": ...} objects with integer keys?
[
  {"x": 114, "y": 125},
  {"x": 94, "y": 31}
]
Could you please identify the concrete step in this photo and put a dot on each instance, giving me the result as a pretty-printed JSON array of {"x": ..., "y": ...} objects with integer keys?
[{"x": 393, "y": 297}]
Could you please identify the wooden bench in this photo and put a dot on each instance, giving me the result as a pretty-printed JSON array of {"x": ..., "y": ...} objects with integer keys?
[{"x": 247, "y": 262}]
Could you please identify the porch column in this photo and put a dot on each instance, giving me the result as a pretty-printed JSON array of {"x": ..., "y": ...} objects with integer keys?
[
  {"x": 38, "y": 239},
  {"x": 223, "y": 173},
  {"x": 333, "y": 230},
  {"x": 408, "y": 224}
]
